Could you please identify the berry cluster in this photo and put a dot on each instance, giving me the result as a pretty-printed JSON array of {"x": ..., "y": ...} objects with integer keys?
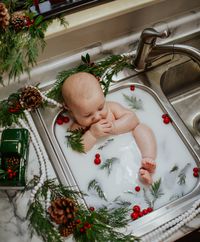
[
  {"x": 97, "y": 160},
  {"x": 62, "y": 119},
  {"x": 137, "y": 212},
  {"x": 196, "y": 171},
  {"x": 166, "y": 118},
  {"x": 83, "y": 227},
  {"x": 11, "y": 174}
]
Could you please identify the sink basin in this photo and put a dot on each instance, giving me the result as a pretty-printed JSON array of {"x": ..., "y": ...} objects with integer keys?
[{"x": 181, "y": 84}]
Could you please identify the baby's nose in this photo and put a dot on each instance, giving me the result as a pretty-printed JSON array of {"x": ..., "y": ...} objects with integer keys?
[{"x": 97, "y": 117}]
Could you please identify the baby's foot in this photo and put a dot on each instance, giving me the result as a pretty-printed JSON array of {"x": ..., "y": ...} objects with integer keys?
[
  {"x": 148, "y": 164},
  {"x": 145, "y": 176}
]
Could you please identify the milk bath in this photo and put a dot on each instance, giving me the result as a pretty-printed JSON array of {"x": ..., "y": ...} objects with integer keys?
[{"x": 175, "y": 164}]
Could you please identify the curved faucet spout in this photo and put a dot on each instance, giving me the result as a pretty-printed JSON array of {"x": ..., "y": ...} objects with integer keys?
[{"x": 147, "y": 48}]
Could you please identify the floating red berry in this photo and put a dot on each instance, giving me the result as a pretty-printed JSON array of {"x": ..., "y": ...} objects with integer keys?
[
  {"x": 137, "y": 188},
  {"x": 59, "y": 121},
  {"x": 144, "y": 211},
  {"x": 132, "y": 87},
  {"x": 149, "y": 210},
  {"x": 134, "y": 215},
  {"x": 140, "y": 214},
  {"x": 195, "y": 169},
  {"x": 65, "y": 119},
  {"x": 92, "y": 209},
  {"x": 97, "y": 155},
  {"x": 166, "y": 118},
  {"x": 195, "y": 174},
  {"x": 87, "y": 225},
  {"x": 97, "y": 161},
  {"x": 136, "y": 208}
]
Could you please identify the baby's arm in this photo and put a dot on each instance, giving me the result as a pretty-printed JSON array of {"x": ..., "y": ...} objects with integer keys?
[{"x": 126, "y": 120}]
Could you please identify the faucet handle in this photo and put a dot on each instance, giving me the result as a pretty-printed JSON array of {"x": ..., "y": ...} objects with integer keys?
[{"x": 149, "y": 35}]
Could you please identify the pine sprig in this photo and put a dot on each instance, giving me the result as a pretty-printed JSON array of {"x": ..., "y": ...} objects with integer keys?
[
  {"x": 19, "y": 50},
  {"x": 133, "y": 102},
  {"x": 105, "y": 144},
  {"x": 41, "y": 224},
  {"x": 94, "y": 185},
  {"x": 156, "y": 190},
  {"x": 108, "y": 164},
  {"x": 182, "y": 175},
  {"x": 75, "y": 140},
  {"x": 174, "y": 168},
  {"x": 116, "y": 63}
]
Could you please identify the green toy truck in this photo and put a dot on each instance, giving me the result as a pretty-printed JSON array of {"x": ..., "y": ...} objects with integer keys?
[{"x": 14, "y": 157}]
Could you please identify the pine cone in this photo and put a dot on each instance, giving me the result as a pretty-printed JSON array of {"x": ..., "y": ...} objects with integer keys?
[
  {"x": 30, "y": 98},
  {"x": 67, "y": 230},
  {"x": 62, "y": 211},
  {"x": 4, "y": 16},
  {"x": 18, "y": 20}
]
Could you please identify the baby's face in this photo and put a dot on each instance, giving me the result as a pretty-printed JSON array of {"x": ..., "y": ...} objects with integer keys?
[{"x": 90, "y": 110}]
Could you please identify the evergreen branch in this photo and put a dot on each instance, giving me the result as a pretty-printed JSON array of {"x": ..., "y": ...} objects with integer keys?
[
  {"x": 174, "y": 168},
  {"x": 147, "y": 199},
  {"x": 108, "y": 164},
  {"x": 133, "y": 102},
  {"x": 115, "y": 62},
  {"x": 156, "y": 190},
  {"x": 75, "y": 140},
  {"x": 41, "y": 224},
  {"x": 95, "y": 186},
  {"x": 105, "y": 144},
  {"x": 182, "y": 175}
]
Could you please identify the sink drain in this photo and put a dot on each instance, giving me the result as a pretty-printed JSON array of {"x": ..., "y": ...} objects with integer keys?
[{"x": 196, "y": 124}]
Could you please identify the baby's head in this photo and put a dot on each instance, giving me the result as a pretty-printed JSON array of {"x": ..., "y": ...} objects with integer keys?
[{"x": 84, "y": 98}]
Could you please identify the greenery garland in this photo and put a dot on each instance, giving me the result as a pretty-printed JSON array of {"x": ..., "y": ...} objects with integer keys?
[
  {"x": 90, "y": 224},
  {"x": 21, "y": 39}
]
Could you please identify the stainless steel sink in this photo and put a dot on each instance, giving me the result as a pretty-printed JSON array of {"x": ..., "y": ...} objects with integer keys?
[{"x": 181, "y": 84}]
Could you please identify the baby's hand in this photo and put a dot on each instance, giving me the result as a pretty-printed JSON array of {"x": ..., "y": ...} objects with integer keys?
[{"x": 101, "y": 128}]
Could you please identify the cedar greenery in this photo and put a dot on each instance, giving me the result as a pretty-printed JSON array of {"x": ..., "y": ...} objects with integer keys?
[
  {"x": 19, "y": 50},
  {"x": 93, "y": 184},
  {"x": 133, "y": 102},
  {"x": 108, "y": 164},
  {"x": 75, "y": 140},
  {"x": 114, "y": 64},
  {"x": 103, "y": 221}
]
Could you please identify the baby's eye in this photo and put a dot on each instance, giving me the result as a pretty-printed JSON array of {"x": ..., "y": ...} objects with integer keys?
[
  {"x": 87, "y": 116},
  {"x": 100, "y": 108}
]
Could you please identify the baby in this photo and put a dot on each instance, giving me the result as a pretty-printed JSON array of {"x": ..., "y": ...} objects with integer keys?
[{"x": 85, "y": 101}]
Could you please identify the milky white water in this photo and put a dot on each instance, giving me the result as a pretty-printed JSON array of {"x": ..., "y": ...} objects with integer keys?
[{"x": 123, "y": 177}]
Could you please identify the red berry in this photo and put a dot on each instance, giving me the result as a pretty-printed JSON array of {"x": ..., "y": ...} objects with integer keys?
[
  {"x": 195, "y": 169},
  {"x": 9, "y": 171},
  {"x": 136, "y": 208},
  {"x": 82, "y": 230},
  {"x": 59, "y": 121},
  {"x": 140, "y": 214},
  {"x": 14, "y": 173},
  {"x": 149, "y": 210},
  {"x": 132, "y": 87},
  {"x": 164, "y": 115},
  {"x": 10, "y": 175},
  {"x": 167, "y": 120},
  {"x": 137, "y": 188},
  {"x": 78, "y": 221},
  {"x": 97, "y": 155},
  {"x": 91, "y": 209},
  {"x": 87, "y": 225},
  {"x": 65, "y": 119},
  {"x": 195, "y": 174},
  {"x": 144, "y": 211},
  {"x": 134, "y": 216},
  {"x": 97, "y": 161}
]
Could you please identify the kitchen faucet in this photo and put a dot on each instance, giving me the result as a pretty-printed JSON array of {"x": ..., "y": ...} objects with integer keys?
[{"x": 147, "y": 48}]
